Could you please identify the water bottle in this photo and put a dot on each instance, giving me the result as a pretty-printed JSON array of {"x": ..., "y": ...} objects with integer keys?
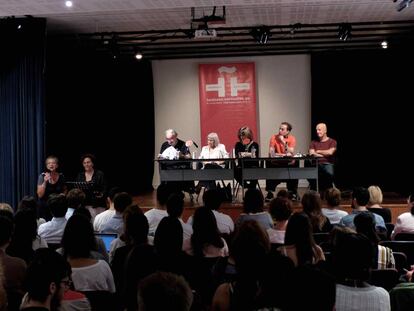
[{"x": 253, "y": 152}]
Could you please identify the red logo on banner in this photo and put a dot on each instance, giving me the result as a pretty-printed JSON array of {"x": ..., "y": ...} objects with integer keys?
[{"x": 227, "y": 100}]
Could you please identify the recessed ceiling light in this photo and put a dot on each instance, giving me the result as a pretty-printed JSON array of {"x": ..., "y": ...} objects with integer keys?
[
  {"x": 138, "y": 56},
  {"x": 69, "y": 4},
  {"x": 384, "y": 44}
]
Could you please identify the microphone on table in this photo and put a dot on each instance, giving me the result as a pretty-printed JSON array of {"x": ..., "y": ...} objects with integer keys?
[{"x": 195, "y": 144}]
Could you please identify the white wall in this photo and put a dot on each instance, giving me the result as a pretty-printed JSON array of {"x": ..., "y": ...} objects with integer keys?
[{"x": 283, "y": 94}]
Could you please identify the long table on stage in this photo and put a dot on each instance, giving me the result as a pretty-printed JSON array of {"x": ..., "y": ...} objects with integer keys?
[
  {"x": 306, "y": 169},
  {"x": 185, "y": 169}
]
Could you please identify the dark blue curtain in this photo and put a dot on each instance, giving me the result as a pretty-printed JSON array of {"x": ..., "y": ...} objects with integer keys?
[{"x": 22, "y": 112}]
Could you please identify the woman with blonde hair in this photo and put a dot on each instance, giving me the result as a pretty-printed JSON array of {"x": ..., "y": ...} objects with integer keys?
[{"x": 375, "y": 201}]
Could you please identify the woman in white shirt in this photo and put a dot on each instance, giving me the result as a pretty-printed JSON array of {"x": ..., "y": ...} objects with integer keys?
[{"x": 214, "y": 150}]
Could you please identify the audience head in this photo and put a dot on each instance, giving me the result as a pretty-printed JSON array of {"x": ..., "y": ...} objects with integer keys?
[
  {"x": 164, "y": 291},
  {"x": 76, "y": 198},
  {"x": 213, "y": 140},
  {"x": 6, "y": 230},
  {"x": 121, "y": 201},
  {"x": 112, "y": 192},
  {"x": 333, "y": 197},
  {"x": 163, "y": 193},
  {"x": 29, "y": 202},
  {"x": 365, "y": 224},
  {"x": 84, "y": 212},
  {"x": 375, "y": 195},
  {"x": 168, "y": 238},
  {"x": 283, "y": 193},
  {"x": 26, "y": 224},
  {"x": 7, "y": 207},
  {"x": 249, "y": 247},
  {"x": 312, "y": 206},
  {"x": 316, "y": 288},
  {"x": 175, "y": 205},
  {"x": 212, "y": 199},
  {"x": 299, "y": 233},
  {"x": 280, "y": 209},
  {"x": 352, "y": 255},
  {"x": 205, "y": 231},
  {"x": 58, "y": 205},
  {"x": 360, "y": 197},
  {"x": 46, "y": 276},
  {"x": 136, "y": 225},
  {"x": 78, "y": 239},
  {"x": 253, "y": 201}
]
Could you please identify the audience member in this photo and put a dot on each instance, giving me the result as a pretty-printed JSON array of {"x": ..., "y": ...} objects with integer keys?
[
  {"x": 116, "y": 223},
  {"x": 30, "y": 202},
  {"x": 52, "y": 230},
  {"x": 375, "y": 201},
  {"x": 312, "y": 206},
  {"x": 76, "y": 199},
  {"x": 175, "y": 208},
  {"x": 405, "y": 222},
  {"x": 332, "y": 211},
  {"x": 280, "y": 209},
  {"x": 253, "y": 210},
  {"x": 164, "y": 291},
  {"x": 155, "y": 215},
  {"x": 102, "y": 218}
]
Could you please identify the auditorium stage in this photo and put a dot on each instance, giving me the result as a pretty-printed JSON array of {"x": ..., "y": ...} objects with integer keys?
[{"x": 395, "y": 202}]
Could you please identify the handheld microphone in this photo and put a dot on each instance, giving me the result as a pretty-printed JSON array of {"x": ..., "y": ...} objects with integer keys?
[{"x": 195, "y": 144}]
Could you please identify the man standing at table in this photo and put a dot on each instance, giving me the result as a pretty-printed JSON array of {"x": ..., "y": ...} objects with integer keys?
[
  {"x": 323, "y": 149},
  {"x": 282, "y": 144}
]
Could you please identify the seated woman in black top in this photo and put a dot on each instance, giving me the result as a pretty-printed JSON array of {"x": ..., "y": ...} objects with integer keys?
[
  {"x": 246, "y": 148},
  {"x": 95, "y": 191}
]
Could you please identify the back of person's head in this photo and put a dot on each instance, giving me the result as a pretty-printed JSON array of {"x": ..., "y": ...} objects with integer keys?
[
  {"x": 58, "y": 205},
  {"x": 299, "y": 233},
  {"x": 6, "y": 213},
  {"x": 78, "y": 239},
  {"x": 175, "y": 205},
  {"x": 6, "y": 206},
  {"x": 164, "y": 291},
  {"x": 333, "y": 197},
  {"x": 84, "y": 212},
  {"x": 168, "y": 238},
  {"x": 76, "y": 198},
  {"x": 112, "y": 192},
  {"x": 352, "y": 255},
  {"x": 375, "y": 195},
  {"x": 121, "y": 201},
  {"x": 205, "y": 231},
  {"x": 163, "y": 193},
  {"x": 212, "y": 199},
  {"x": 6, "y": 230},
  {"x": 283, "y": 193},
  {"x": 29, "y": 202},
  {"x": 253, "y": 201},
  {"x": 25, "y": 224},
  {"x": 135, "y": 225},
  {"x": 280, "y": 208},
  {"x": 249, "y": 247},
  {"x": 316, "y": 288},
  {"x": 312, "y": 206},
  {"x": 47, "y": 268},
  {"x": 365, "y": 224},
  {"x": 361, "y": 196}
]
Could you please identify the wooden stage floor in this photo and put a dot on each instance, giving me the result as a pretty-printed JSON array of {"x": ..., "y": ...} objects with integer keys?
[{"x": 395, "y": 202}]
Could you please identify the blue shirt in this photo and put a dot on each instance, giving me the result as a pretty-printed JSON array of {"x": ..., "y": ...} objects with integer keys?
[{"x": 348, "y": 221}]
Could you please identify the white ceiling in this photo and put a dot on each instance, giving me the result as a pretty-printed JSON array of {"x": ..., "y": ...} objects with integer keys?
[{"x": 88, "y": 16}]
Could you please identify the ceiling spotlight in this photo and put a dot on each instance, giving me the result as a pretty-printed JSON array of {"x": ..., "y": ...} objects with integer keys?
[
  {"x": 384, "y": 44},
  {"x": 261, "y": 34},
  {"x": 19, "y": 26},
  {"x": 344, "y": 32},
  {"x": 69, "y": 4},
  {"x": 138, "y": 55}
]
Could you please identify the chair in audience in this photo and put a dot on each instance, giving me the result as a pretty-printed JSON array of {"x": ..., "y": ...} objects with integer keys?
[
  {"x": 390, "y": 228},
  {"x": 385, "y": 278},
  {"x": 406, "y": 247},
  {"x": 100, "y": 300},
  {"x": 404, "y": 236},
  {"x": 400, "y": 262}
]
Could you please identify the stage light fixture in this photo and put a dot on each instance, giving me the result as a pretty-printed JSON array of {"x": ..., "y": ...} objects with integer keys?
[
  {"x": 261, "y": 34},
  {"x": 384, "y": 44},
  {"x": 344, "y": 32},
  {"x": 403, "y": 4},
  {"x": 69, "y": 4}
]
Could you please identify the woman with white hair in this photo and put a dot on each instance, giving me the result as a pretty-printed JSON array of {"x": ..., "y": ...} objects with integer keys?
[{"x": 213, "y": 150}]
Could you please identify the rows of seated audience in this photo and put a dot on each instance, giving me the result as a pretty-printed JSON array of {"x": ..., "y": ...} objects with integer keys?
[{"x": 315, "y": 259}]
